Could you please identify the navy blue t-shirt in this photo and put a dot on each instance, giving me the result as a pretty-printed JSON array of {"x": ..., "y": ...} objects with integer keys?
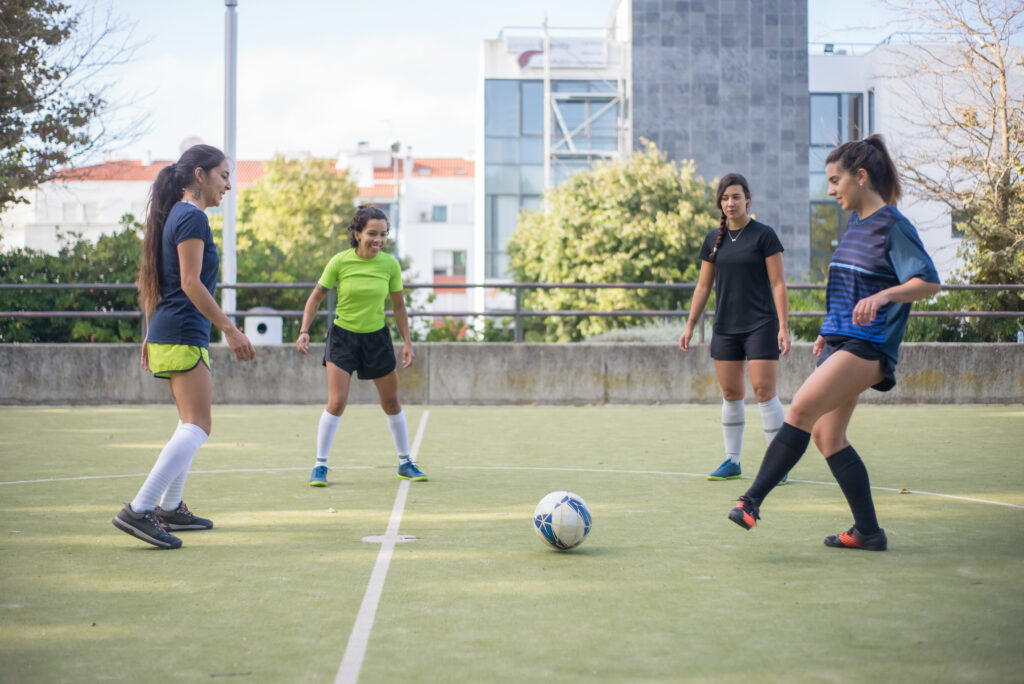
[
  {"x": 176, "y": 320},
  {"x": 876, "y": 253}
]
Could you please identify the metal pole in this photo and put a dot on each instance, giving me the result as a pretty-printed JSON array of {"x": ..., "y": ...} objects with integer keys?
[
  {"x": 519, "y": 317},
  {"x": 229, "y": 270},
  {"x": 547, "y": 107}
]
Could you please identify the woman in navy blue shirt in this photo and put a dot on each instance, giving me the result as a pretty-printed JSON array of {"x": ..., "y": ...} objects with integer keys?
[
  {"x": 879, "y": 268},
  {"x": 177, "y": 279}
]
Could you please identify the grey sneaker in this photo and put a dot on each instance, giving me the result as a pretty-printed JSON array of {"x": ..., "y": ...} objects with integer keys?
[
  {"x": 146, "y": 526},
  {"x": 182, "y": 519}
]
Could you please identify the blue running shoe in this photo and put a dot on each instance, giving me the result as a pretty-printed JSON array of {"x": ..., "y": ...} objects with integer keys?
[
  {"x": 319, "y": 477},
  {"x": 785, "y": 479},
  {"x": 727, "y": 471},
  {"x": 409, "y": 471}
]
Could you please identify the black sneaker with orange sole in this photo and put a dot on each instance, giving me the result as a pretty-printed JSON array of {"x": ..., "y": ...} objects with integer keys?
[
  {"x": 745, "y": 513},
  {"x": 852, "y": 539}
]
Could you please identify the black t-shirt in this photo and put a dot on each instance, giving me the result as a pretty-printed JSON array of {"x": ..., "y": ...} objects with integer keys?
[{"x": 743, "y": 292}]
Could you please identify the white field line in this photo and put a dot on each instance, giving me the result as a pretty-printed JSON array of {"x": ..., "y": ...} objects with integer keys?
[
  {"x": 352, "y": 661},
  {"x": 415, "y": 450},
  {"x": 669, "y": 472}
]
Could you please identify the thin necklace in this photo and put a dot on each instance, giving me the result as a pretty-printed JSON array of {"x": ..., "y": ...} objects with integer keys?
[{"x": 734, "y": 239}]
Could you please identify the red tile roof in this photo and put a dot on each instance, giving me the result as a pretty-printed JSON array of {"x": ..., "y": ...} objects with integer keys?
[{"x": 248, "y": 172}]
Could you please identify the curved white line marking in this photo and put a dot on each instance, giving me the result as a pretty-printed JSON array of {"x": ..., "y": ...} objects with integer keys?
[
  {"x": 669, "y": 472},
  {"x": 352, "y": 661}
]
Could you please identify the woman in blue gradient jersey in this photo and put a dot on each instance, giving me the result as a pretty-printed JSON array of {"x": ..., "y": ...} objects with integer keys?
[{"x": 879, "y": 268}]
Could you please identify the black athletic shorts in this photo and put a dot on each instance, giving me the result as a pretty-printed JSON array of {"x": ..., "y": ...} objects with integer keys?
[
  {"x": 371, "y": 354},
  {"x": 864, "y": 350},
  {"x": 756, "y": 345}
]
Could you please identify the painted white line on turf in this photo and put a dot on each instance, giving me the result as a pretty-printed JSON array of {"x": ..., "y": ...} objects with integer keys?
[
  {"x": 669, "y": 472},
  {"x": 352, "y": 661},
  {"x": 191, "y": 472}
]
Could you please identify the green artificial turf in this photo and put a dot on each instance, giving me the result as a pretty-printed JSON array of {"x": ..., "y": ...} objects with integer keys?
[{"x": 665, "y": 588}]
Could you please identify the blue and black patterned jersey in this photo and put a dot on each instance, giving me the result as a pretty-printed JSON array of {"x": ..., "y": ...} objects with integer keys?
[{"x": 882, "y": 251}]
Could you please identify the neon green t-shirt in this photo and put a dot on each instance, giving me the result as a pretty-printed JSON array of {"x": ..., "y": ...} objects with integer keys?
[{"x": 363, "y": 286}]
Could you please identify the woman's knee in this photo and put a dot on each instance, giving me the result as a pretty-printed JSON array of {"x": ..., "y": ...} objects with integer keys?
[
  {"x": 391, "y": 406},
  {"x": 335, "y": 406},
  {"x": 764, "y": 391},
  {"x": 733, "y": 393}
]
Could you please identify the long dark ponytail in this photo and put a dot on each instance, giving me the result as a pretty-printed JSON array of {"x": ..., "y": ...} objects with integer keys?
[
  {"x": 167, "y": 189},
  {"x": 723, "y": 185},
  {"x": 871, "y": 155}
]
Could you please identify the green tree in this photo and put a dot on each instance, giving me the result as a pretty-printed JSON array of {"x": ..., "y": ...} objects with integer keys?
[
  {"x": 290, "y": 223},
  {"x": 50, "y": 102},
  {"x": 111, "y": 259},
  {"x": 641, "y": 220},
  {"x": 962, "y": 97}
]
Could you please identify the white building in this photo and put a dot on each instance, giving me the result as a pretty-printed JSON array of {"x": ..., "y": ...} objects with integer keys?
[
  {"x": 433, "y": 223},
  {"x": 854, "y": 94},
  {"x": 90, "y": 201}
]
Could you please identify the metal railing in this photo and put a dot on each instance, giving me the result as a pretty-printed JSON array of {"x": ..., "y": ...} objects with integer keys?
[{"x": 517, "y": 313}]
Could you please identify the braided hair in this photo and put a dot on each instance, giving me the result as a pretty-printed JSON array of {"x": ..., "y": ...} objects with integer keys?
[{"x": 728, "y": 180}]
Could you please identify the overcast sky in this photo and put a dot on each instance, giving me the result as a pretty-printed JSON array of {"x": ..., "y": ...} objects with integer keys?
[{"x": 320, "y": 75}]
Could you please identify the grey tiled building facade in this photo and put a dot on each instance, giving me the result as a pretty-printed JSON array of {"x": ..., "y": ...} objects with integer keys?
[{"x": 724, "y": 82}]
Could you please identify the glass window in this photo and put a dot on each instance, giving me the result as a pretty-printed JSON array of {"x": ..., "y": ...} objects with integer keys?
[
  {"x": 532, "y": 115},
  {"x": 506, "y": 214},
  {"x": 606, "y": 123},
  {"x": 825, "y": 120},
  {"x": 531, "y": 178},
  {"x": 501, "y": 179},
  {"x": 818, "y": 186},
  {"x": 871, "y": 112},
  {"x": 531, "y": 150},
  {"x": 501, "y": 98},
  {"x": 569, "y": 86},
  {"x": 602, "y": 86},
  {"x": 439, "y": 214},
  {"x": 851, "y": 117},
  {"x": 573, "y": 113},
  {"x": 501, "y": 151},
  {"x": 826, "y": 222},
  {"x": 459, "y": 262},
  {"x": 531, "y": 202}
]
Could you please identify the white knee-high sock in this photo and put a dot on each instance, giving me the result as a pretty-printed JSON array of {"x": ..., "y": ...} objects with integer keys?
[
  {"x": 733, "y": 422},
  {"x": 172, "y": 463},
  {"x": 325, "y": 436},
  {"x": 772, "y": 415},
  {"x": 400, "y": 433}
]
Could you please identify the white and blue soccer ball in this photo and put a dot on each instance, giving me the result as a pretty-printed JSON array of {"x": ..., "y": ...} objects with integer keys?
[{"x": 562, "y": 520}]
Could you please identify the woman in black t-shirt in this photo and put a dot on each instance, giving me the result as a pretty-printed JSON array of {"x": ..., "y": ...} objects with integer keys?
[{"x": 750, "y": 315}]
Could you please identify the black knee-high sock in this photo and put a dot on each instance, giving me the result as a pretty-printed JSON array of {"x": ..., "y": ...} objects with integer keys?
[
  {"x": 789, "y": 445},
  {"x": 852, "y": 477}
]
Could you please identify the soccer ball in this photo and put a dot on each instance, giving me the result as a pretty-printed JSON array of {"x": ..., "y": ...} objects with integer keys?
[{"x": 562, "y": 519}]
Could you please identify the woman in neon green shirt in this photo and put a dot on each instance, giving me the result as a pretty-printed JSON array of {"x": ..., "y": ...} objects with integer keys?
[{"x": 359, "y": 340}]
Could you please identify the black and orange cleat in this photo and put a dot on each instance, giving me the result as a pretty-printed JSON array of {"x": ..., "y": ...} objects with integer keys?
[
  {"x": 745, "y": 513},
  {"x": 852, "y": 539}
]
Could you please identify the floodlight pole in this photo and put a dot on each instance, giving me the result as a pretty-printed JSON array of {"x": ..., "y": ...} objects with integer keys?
[
  {"x": 547, "y": 108},
  {"x": 229, "y": 271}
]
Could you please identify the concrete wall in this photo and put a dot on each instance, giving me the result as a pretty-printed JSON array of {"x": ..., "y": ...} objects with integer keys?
[
  {"x": 453, "y": 373},
  {"x": 725, "y": 84}
]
